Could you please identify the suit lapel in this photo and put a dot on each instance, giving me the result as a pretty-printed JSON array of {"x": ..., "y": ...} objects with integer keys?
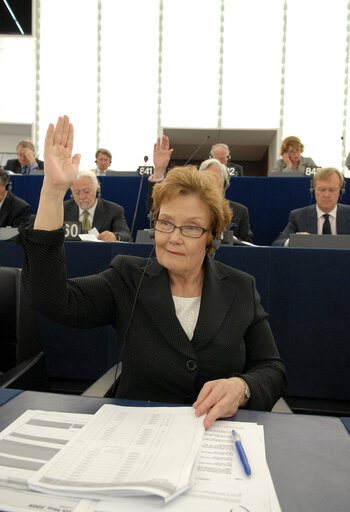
[
  {"x": 156, "y": 284},
  {"x": 311, "y": 220},
  {"x": 99, "y": 215},
  {"x": 343, "y": 220},
  {"x": 4, "y": 210},
  {"x": 217, "y": 297}
]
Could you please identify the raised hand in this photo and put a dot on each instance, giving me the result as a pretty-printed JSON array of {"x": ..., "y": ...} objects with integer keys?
[
  {"x": 60, "y": 172},
  {"x": 61, "y": 168},
  {"x": 161, "y": 156}
]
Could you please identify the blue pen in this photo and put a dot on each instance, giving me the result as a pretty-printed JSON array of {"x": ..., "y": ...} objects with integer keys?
[{"x": 241, "y": 452}]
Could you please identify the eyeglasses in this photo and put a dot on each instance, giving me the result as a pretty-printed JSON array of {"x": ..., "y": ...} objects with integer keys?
[
  {"x": 332, "y": 190},
  {"x": 85, "y": 191},
  {"x": 167, "y": 227},
  {"x": 294, "y": 152}
]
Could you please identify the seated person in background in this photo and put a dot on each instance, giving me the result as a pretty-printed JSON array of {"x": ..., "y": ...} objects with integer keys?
[
  {"x": 327, "y": 216},
  {"x": 94, "y": 212},
  {"x": 13, "y": 210},
  {"x": 198, "y": 334},
  {"x": 103, "y": 161},
  {"x": 291, "y": 150},
  {"x": 26, "y": 160},
  {"x": 222, "y": 153},
  {"x": 161, "y": 157},
  {"x": 240, "y": 218}
]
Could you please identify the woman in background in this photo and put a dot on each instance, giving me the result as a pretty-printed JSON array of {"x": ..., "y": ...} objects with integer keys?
[{"x": 291, "y": 150}]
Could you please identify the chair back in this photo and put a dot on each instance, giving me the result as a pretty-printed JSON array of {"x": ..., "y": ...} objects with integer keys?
[{"x": 20, "y": 343}]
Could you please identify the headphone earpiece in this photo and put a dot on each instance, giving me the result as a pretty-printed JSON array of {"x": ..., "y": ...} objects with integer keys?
[
  {"x": 8, "y": 185},
  {"x": 215, "y": 244},
  {"x": 342, "y": 190}
]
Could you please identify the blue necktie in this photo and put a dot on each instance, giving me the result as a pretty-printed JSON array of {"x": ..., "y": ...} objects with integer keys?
[{"x": 25, "y": 169}]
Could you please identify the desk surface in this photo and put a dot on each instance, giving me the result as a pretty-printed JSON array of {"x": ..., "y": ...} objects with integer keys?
[{"x": 308, "y": 456}]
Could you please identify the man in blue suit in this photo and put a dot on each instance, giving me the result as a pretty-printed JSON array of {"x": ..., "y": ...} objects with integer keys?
[{"x": 327, "y": 216}]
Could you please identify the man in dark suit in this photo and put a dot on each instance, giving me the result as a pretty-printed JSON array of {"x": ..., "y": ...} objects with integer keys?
[
  {"x": 222, "y": 153},
  {"x": 94, "y": 212},
  {"x": 26, "y": 160},
  {"x": 13, "y": 210},
  {"x": 327, "y": 216},
  {"x": 240, "y": 225}
]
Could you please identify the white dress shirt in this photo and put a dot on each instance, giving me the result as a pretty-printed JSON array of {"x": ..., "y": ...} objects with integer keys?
[{"x": 332, "y": 220}]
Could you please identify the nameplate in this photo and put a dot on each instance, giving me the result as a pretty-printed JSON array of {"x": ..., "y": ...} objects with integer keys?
[
  {"x": 72, "y": 229},
  {"x": 145, "y": 170},
  {"x": 310, "y": 171},
  {"x": 320, "y": 241}
]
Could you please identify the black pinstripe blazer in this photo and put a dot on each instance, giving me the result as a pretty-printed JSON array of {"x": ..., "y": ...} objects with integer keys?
[{"x": 232, "y": 336}]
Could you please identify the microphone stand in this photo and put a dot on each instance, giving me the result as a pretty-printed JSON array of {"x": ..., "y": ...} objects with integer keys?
[
  {"x": 145, "y": 158},
  {"x": 196, "y": 151}
]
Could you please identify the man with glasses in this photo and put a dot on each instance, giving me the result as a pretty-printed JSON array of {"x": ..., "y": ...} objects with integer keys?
[
  {"x": 327, "y": 216},
  {"x": 95, "y": 212}
]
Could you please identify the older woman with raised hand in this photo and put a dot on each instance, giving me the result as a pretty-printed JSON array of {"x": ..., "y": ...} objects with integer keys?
[
  {"x": 291, "y": 150},
  {"x": 191, "y": 330}
]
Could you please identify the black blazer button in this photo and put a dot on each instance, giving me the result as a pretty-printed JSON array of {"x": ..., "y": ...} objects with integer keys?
[{"x": 191, "y": 365}]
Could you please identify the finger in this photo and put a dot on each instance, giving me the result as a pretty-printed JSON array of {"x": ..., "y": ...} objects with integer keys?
[
  {"x": 65, "y": 131},
  {"x": 76, "y": 160},
  {"x": 70, "y": 136},
  {"x": 204, "y": 392},
  {"x": 165, "y": 142},
  {"x": 49, "y": 136},
  {"x": 57, "y": 134},
  {"x": 223, "y": 409}
]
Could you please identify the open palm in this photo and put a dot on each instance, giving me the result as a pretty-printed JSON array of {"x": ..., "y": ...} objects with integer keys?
[{"x": 61, "y": 168}]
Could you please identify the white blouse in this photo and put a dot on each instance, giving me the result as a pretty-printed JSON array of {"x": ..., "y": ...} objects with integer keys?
[{"x": 187, "y": 311}]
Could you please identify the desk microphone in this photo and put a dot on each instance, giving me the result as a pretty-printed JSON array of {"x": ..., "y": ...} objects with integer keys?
[
  {"x": 145, "y": 159},
  {"x": 196, "y": 151}
]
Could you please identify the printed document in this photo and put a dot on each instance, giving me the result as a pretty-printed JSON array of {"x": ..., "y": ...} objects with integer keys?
[
  {"x": 25, "y": 446},
  {"x": 127, "y": 451}
]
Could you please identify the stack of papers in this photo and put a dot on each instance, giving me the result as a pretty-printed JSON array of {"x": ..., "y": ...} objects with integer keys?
[
  {"x": 131, "y": 451},
  {"x": 125, "y": 451}
]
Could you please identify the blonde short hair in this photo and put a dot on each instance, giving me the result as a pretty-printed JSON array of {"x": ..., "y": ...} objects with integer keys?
[
  {"x": 291, "y": 141},
  {"x": 326, "y": 172},
  {"x": 187, "y": 180}
]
